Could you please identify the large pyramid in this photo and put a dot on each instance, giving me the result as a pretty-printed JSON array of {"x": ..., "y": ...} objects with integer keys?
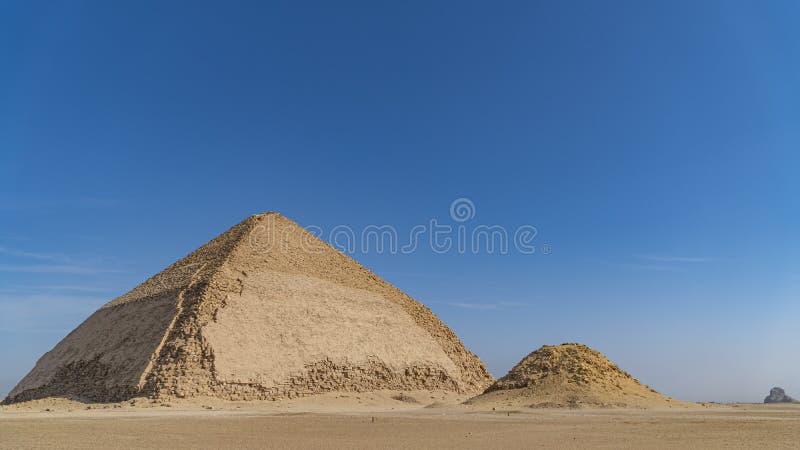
[
  {"x": 265, "y": 310},
  {"x": 570, "y": 375}
]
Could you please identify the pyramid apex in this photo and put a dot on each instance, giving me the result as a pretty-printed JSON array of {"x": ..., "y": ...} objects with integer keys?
[
  {"x": 257, "y": 217},
  {"x": 264, "y": 214}
]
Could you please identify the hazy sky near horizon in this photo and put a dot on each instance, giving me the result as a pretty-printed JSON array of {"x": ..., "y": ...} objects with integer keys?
[{"x": 653, "y": 145}]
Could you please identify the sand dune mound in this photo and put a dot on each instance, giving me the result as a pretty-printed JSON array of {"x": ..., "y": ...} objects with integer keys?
[
  {"x": 264, "y": 311},
  {"x": 569, "y": 375}
]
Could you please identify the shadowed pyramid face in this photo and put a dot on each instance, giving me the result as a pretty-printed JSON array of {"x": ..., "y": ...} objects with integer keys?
[{"x": 265, "y": 310}]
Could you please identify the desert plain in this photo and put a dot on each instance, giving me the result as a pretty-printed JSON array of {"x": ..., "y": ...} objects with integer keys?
[{"x": 418, "y": 419}]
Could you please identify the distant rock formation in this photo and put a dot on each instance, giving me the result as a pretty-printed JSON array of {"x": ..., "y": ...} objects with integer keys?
[{"x": 778, "y": 395}]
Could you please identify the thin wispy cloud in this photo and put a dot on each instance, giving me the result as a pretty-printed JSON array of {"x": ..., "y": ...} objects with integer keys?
[
  {"x": 639, "y": 266},
  {"x": 33, "y": 255},
  {"x": 512, "y": 304},
  {"x": 35, "y": 330},
  {"x": 656, "y": 268},
  {"x": 74, "y": 288},
  {"x": 23, "y": 261},
  {"x": 675, "y": 259},
  {"x": 55, "y": 268},
  {"x": 661, "y": 263},
  {"x": 481, "y": 306},
  {"x": 33, "y": 204},
  {"x": 24, "y": 313},
  {"x": 54, "y": 288},
  {"x": 486, "y": 306},
  {"x": 408, "y": 274}
]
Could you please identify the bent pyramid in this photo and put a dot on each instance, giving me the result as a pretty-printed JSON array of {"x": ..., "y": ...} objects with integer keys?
[
  {"x": 265, "y": 310},
  {"x": 569, "y": 375}
]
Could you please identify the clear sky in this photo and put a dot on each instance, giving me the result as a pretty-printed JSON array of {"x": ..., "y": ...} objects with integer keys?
[{"x": 653, "y": 145}]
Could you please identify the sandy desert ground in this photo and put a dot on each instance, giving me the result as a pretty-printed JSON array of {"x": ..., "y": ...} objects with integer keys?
[{"x": 376, "y": 420}]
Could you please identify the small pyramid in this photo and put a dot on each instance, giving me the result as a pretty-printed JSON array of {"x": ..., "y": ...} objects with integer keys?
[
  {"x": 264, "y": 311},
  {"x": 569, "y": 375},
  {"x": 778, "y": 395}
]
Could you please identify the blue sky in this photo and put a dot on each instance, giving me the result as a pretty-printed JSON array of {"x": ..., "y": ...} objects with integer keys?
[{"x": 653, "y": 146}]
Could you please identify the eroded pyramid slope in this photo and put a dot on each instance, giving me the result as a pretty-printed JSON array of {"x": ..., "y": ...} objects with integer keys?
[
  {"x": 265, "y": 310},
  {"x": 570, "y": 375}
]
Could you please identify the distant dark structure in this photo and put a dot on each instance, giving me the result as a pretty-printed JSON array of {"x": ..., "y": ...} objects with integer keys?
[{"x": 778, "y": 395}]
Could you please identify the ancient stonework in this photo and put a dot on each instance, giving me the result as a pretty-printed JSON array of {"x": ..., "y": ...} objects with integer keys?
[{"x": 264, "y": 311}]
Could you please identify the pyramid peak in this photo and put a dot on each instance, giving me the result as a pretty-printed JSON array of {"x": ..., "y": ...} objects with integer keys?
[{"x": 264, "y": 214}]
